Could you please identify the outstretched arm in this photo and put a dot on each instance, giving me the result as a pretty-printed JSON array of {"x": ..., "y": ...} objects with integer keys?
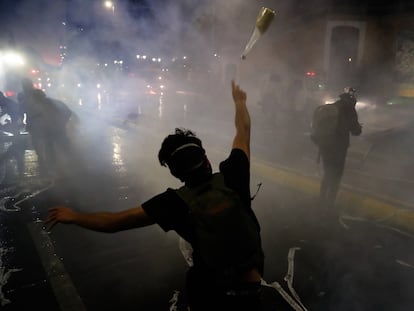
[
  {"x": 101, "y": 221},
  {"x": 242, "y": 120}
]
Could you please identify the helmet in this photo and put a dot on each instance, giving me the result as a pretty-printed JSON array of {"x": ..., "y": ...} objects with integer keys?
[{"x": 350, "y": 90}]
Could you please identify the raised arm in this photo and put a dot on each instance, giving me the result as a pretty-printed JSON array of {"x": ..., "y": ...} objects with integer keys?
[
  {"x": 242, "y": 120},
  {"x": 101, "y": 221}
]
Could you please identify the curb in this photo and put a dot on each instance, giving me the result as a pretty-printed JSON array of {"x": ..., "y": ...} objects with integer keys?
[{"x": 382, "y": 210}]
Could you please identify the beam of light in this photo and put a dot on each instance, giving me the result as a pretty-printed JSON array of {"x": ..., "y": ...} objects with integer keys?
[
  {"x": 160, "y": 107},
  {"x": 117, "y": 158},
  {"x": 110, "y": 6},
  {"x": 99, "y": 98}
]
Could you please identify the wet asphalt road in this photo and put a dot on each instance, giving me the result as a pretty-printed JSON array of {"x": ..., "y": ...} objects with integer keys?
[{"x": 358, "y": 267}]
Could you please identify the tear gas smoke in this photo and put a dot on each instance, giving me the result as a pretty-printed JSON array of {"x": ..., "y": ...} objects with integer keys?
[{"x": 263, "y": 21}]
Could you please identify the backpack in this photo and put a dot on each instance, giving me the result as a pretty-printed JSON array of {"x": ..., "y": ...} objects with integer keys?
[
  {"x": 61, "y": 110},
  {"x": 56, "y": 113},
  {"x": 227, "y": 238},
  {"x": 324, "y": 126}
]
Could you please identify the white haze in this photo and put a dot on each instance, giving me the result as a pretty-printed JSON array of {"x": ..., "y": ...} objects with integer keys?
[
  {"x": 195, "y": 29},
  {"x": 211, "y": 34}
]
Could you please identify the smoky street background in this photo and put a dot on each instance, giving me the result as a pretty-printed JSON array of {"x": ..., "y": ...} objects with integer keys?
[
  {"x": 132, "y": 71},
  {"x": 174, "y": 61}
]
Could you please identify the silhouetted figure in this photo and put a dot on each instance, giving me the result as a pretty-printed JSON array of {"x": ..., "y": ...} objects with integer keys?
[
  {"x": 46, "y": 120},
  {"x": 58, "y": 145},
  {"x": 333, "y": 149},
  {"x": 11, "y": 133},
  {"x": 296, "y": 101},
  {"x": 272, "y": 100},
  {"x": 232, "y": 280}
]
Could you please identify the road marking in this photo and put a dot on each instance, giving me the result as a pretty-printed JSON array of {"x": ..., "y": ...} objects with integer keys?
[
  {"x": 4, "y": 276},
  {"x": 61, "y": 283},
  {"x": 367, "y": 205},
  {"x": 289, "y": 276}
]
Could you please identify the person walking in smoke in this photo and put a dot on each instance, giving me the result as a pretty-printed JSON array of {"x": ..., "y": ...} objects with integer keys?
[
  {"x": 212, "y": 212},
  {"x": 333, "y": 147},
  {"x": 46, "y": 122},
  {"x": 272, "y": 101}
]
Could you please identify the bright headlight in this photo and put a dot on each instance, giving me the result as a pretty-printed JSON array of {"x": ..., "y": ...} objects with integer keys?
[{"x": 11, "y": 58}]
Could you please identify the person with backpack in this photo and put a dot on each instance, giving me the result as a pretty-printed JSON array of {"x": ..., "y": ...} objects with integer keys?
[
  {"x": 332, "y": 126},
  {"x": 211, "y": 211},
  {"x": 47, "y": 119}
]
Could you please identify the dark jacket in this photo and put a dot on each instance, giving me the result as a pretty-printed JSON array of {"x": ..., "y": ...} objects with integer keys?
[{"x": 348, "y": 119}]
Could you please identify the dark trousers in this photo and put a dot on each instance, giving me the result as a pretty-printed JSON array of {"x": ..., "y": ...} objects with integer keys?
[
  {"x": 333, "y": 160},
  {"x": 50, "y": 145},
  {"x": 204, "y": 294}
]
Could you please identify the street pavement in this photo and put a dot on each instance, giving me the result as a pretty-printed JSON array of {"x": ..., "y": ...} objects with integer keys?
[{"x": 363, "y": 262}]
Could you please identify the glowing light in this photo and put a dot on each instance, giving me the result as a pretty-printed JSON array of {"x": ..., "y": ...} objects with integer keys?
[
  {"x": 12, "y": 59},
  {"x": 363, "y": 105},
  {"x": 350, "y": 59},
  {"x": 311, "y": 73},
  {"x": 99, "y": 97},
  {"x": 117, "y": 153},
  {"x": 110, "y": 6}
]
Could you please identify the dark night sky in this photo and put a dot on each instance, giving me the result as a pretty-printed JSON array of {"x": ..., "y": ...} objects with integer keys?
[
  {"x": 33, "y": 21},
  {"x": 30, "y": 22}
]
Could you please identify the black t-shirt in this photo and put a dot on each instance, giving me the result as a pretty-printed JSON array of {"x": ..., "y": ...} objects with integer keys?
[{"x": 170, "y": 212}]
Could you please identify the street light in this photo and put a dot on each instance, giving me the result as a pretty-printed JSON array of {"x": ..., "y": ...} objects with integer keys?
[{"x": 110, "y": 5}]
